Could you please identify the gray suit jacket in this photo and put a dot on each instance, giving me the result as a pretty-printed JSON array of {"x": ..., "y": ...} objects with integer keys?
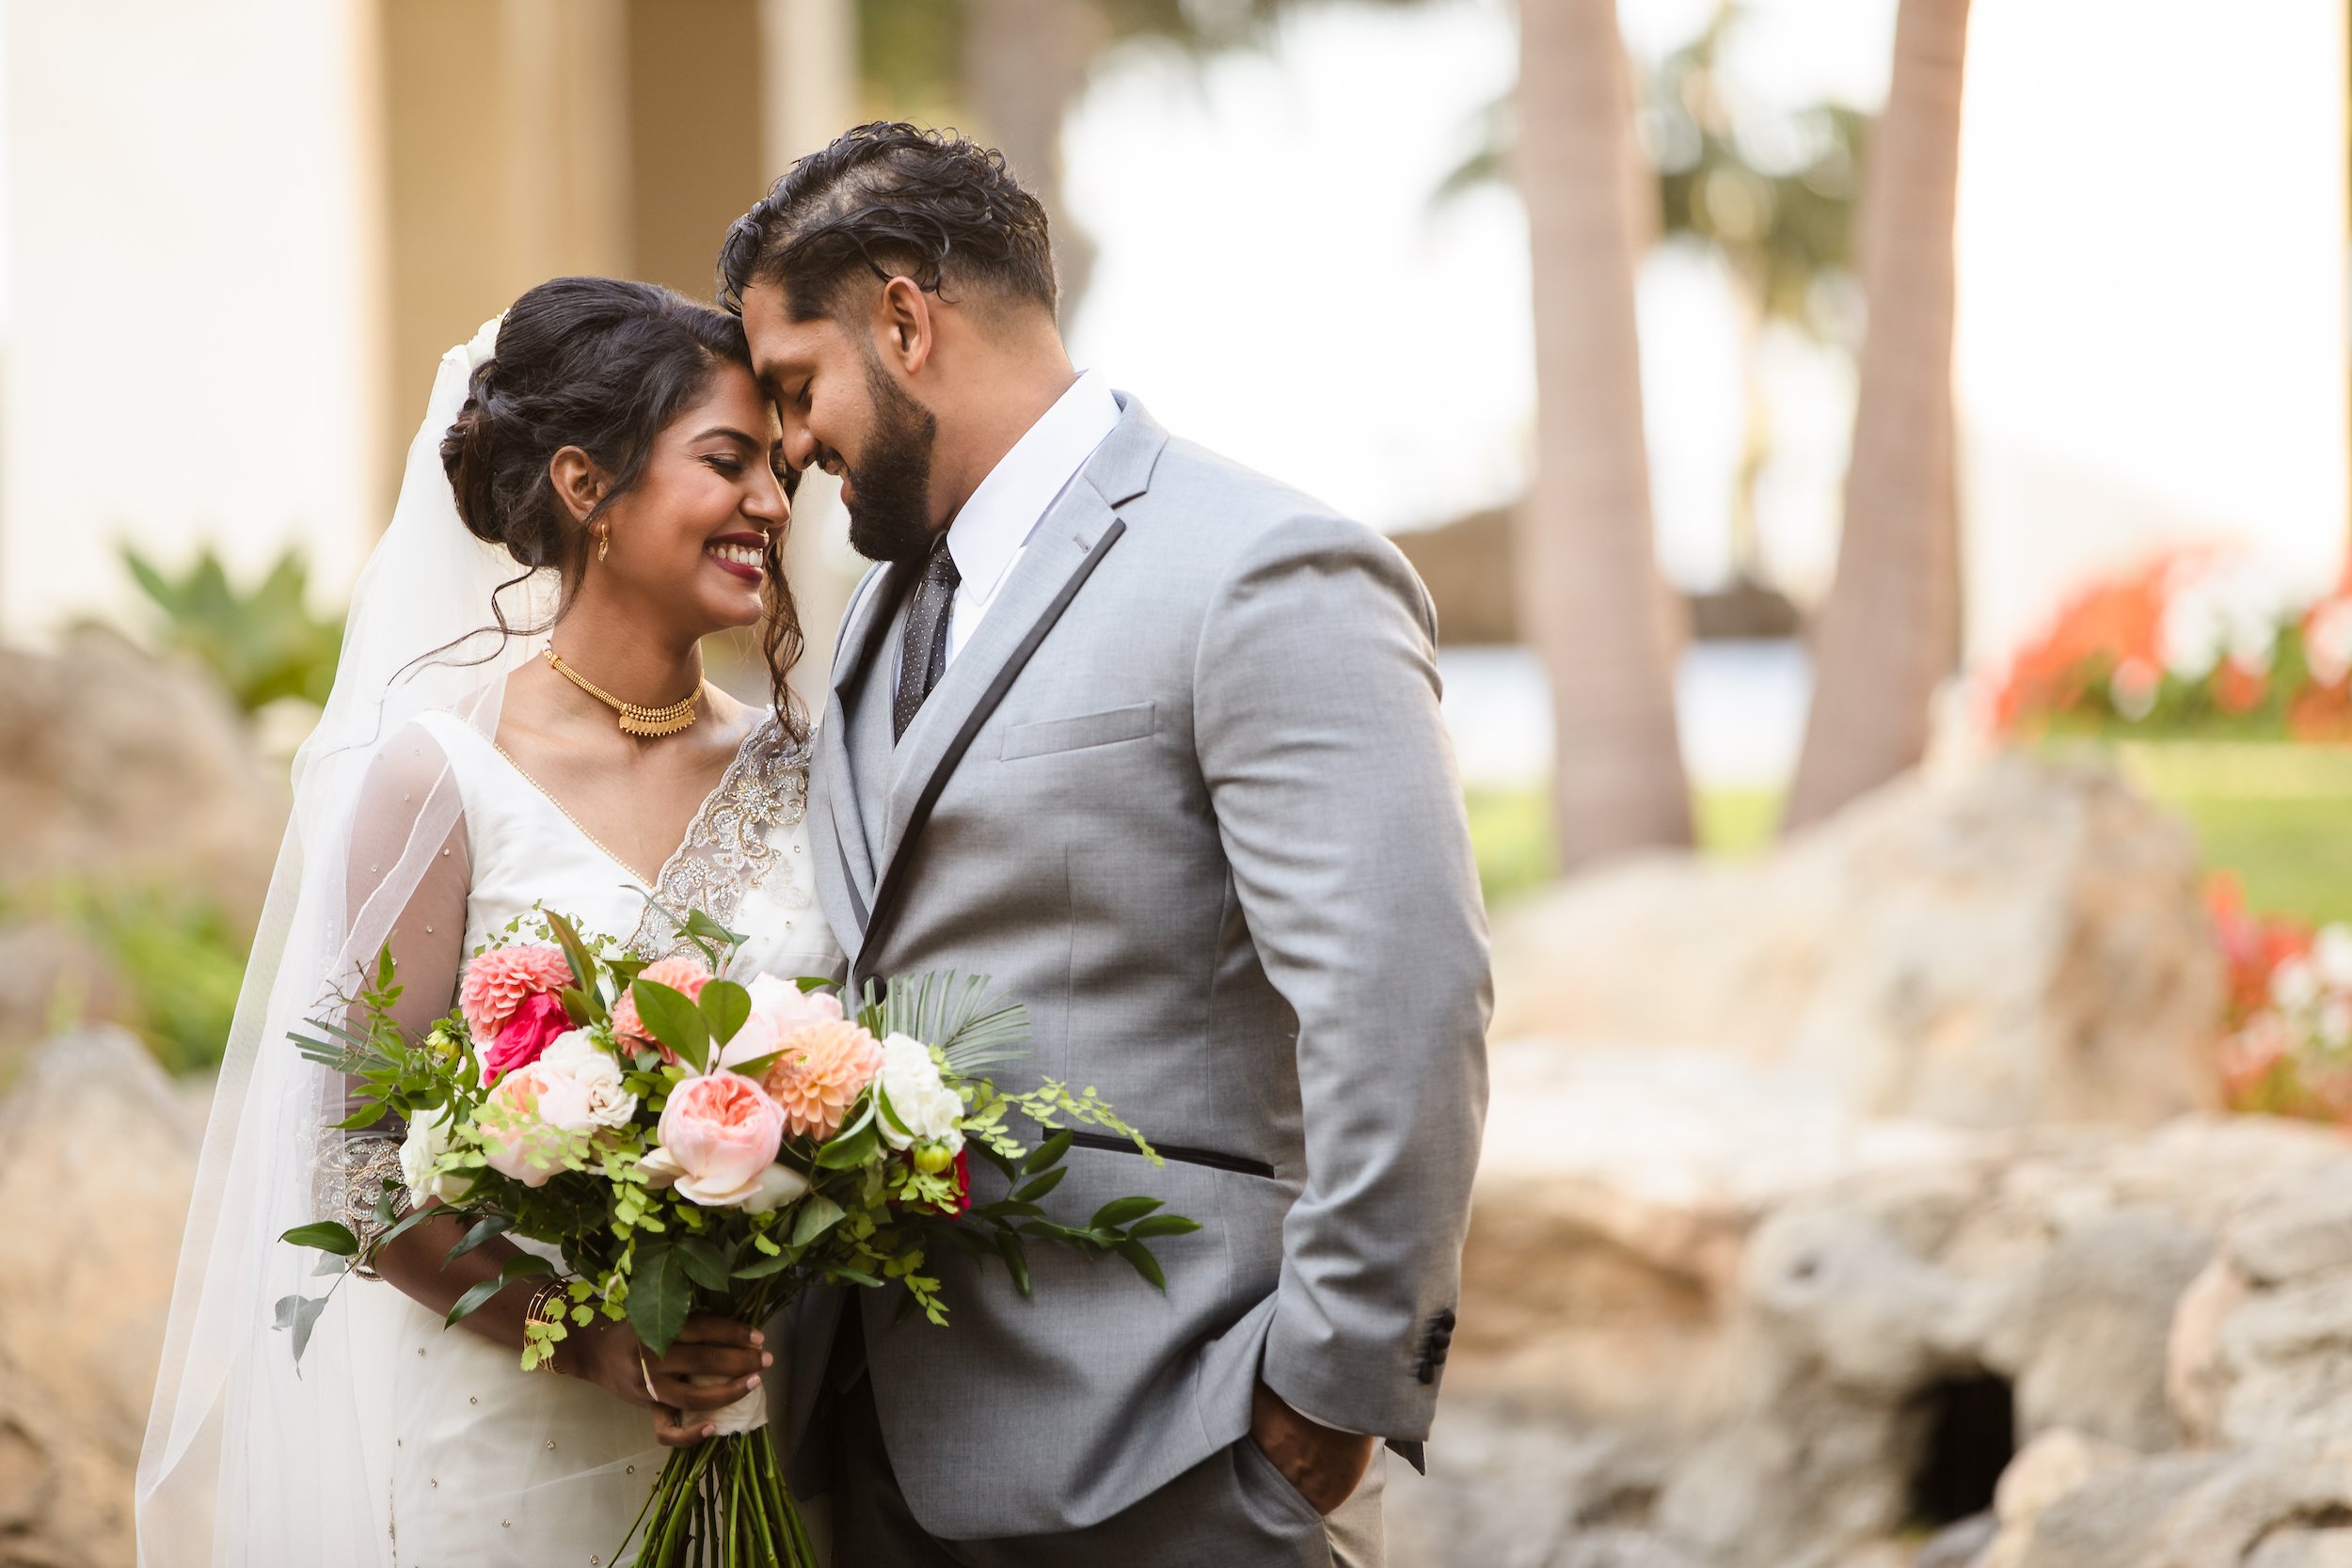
[{"x": 1185, "y": 794}]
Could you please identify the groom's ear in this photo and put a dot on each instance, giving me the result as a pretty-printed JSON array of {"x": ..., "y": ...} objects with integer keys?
[
  {"x": 578, "y": 484},
  {"x": 905, "y": 328}
]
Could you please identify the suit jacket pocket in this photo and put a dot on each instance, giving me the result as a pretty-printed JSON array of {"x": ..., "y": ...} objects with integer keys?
[{"x": 1074, "y": 734}]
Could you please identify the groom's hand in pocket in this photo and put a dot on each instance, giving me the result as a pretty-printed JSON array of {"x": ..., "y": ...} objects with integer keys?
[{"x": 1325, "y": 1463}]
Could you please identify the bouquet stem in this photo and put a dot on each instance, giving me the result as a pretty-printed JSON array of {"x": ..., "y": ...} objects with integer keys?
[{"x": 722, "y": 1504}]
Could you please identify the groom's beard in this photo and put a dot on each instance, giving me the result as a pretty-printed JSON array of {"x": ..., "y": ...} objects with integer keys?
[{"x": 890, "y": 486}]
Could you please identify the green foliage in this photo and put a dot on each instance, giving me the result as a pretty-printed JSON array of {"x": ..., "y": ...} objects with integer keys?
[
  {"x": 1776, "y": 200},
  {"x": 950, "y": 1012},
  {"x": 174, "y": 950},
  {"x": 1511, "y": 834},
  {"x": 1775, "y": 197},
  {"x": 263, "y": 642},
  {"x": 2276, "y": 815}
]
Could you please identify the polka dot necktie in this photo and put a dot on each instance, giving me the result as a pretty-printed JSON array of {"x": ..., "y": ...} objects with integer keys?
[{"x": 923, "y": 650}]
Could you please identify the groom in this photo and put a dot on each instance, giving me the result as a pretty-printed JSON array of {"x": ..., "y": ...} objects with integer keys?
[{"x": 1153, "y": 743}]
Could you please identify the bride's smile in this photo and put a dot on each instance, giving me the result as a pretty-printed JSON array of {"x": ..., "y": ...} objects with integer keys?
[{"x": 740, "y": 555}]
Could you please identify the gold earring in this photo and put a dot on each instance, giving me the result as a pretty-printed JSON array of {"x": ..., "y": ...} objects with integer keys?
[{"x": 604, "y": 539}]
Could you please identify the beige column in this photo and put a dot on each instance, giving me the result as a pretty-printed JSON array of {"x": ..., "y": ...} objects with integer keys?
[
  {"x": 506, "y": 133},
  {"x": 193, "y": 353},
  {"x": 809, "y": 51}
]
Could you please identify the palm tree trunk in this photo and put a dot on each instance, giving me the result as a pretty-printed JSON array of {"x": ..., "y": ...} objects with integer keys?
[
  {"x": 1889, "y": 633},
  {"x": 1025, "y": 64},
  {"x": 1590, "y": 597}
]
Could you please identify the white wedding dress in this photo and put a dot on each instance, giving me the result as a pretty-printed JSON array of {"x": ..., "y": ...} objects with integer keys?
[{"x": 491, "y": 1464}]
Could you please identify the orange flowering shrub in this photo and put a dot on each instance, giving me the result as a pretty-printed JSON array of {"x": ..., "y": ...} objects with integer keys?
[{"x": 2196, "y": 641}]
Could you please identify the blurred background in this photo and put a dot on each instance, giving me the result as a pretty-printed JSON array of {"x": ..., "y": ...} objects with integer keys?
[{"x": 1882, "y": 465}]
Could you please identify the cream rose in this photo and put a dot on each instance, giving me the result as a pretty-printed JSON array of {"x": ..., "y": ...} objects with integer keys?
[
  {"x": 928, "y": 1109},
  {"x": 421, "y": 1151}
]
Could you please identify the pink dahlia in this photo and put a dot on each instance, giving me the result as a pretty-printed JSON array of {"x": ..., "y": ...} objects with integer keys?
[
  {"x": 498, "y": 981},
  {"x": 826, "y": 1066},
  {"x": 684, "y": 976}
]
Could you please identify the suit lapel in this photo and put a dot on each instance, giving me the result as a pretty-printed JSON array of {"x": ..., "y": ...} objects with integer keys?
[
  {"x": 1054, "y": 550},
  {"x": 1068, "y": 545},
  {"x": 835, "y": 805}
]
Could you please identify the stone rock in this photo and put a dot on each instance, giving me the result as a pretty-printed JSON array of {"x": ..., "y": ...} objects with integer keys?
[
  {"x": 2053, "y": 1466},
  {"x": 2265, "y": 1507},
  {"x": 115, "y": 764},
  {"x": 1706, "y": 1304},
  {"x": 2261, "y": 1349},
  {"x": 93, "y": 1117},
  {"x": 2304, "y": 1548},
  {"x": 2015, "y": 942}
]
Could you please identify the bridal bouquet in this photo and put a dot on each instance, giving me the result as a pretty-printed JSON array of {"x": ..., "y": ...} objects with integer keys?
[{"x": 690, "y": 1144}]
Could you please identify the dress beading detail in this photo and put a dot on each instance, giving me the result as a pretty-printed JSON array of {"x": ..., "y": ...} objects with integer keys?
[{"x": 728, "y": 850}]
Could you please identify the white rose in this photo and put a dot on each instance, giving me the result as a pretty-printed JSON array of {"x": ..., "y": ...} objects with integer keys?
[
  {"x": 569, "y": 1051},
  {"x": 609, "y": 1104},
  {"x": 773, "y": 1187},
  {"x": 930, "y": 1110},
  {"x": 601, "y": 1102},
  {"x": 421, "y": 1150}
]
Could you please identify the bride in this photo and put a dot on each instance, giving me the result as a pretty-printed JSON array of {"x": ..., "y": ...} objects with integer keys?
[{"x": 521, "y": 715}]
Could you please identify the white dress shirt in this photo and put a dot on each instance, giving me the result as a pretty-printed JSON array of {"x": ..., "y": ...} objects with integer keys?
[{"x": 994, "y": 528}]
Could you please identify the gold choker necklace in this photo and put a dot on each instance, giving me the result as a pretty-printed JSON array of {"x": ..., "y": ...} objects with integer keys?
[{"x": 649, "y": 723}]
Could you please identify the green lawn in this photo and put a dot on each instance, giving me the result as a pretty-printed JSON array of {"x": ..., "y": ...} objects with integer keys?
[
  {"x": 2279, "y": 817},
  {"x": 1511, "y": 830}
]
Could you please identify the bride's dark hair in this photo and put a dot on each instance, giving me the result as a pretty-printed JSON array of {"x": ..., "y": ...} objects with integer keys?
[{"x": 604, "y": 365}]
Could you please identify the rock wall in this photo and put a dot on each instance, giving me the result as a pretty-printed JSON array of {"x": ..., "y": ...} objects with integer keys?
[
  {"x": 2017, "y": 942},
  {"x": 92, "y": 1129},
  {"x": 1708, "y": 1321}
]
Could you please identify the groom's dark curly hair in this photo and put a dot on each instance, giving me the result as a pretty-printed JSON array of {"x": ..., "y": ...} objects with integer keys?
[{"x": 886, "y": 200}]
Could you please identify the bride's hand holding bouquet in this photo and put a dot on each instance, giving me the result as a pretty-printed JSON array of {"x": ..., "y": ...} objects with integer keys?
[{"x": 699, "y": 1152}]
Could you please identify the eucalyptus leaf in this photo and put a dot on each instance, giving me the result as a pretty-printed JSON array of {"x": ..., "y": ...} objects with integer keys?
[
  {"x": 325, "y": 1235},
  {"x": 658, "y": 1295},
  {"x": 889, "y": 1112},
  {"x": 1016, "y": 1259},
  {"x": 306, "y": 1319},
  {"x": 481, "y": 1231},
  {"x": 575, "y": 952},
  {"x": 1120, "y": 1210},
  {"x": 818, "y": 1214},
  {"x": 1139, "y": 1258},
  {"x": 1047, "y": 1153},
  {"x": 1042, "y": 1186},
  {"x": 760, "y": 1268},
  {"x": 724, "y": 1005},
  {"x": 520, "y": 1266},
  {"x": 706, "y": 1266},
  {"x": 675, "y": 1022},
  {"x": 849, "y": 1151},
  {"x": 1161, "y": 1225}
]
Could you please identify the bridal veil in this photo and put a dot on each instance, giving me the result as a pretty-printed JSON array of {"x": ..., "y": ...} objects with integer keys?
[{"x": 248, "y": 1460}]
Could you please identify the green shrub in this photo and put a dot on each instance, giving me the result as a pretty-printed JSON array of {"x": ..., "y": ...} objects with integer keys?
[{"x": 263, "y": 642}]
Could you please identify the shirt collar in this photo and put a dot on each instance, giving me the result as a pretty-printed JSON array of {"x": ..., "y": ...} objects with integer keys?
[{"x": 998, "y": 520}]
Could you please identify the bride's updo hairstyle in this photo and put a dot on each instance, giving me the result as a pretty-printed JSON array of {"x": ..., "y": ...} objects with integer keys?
[{"x": 605, "y": 365}]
